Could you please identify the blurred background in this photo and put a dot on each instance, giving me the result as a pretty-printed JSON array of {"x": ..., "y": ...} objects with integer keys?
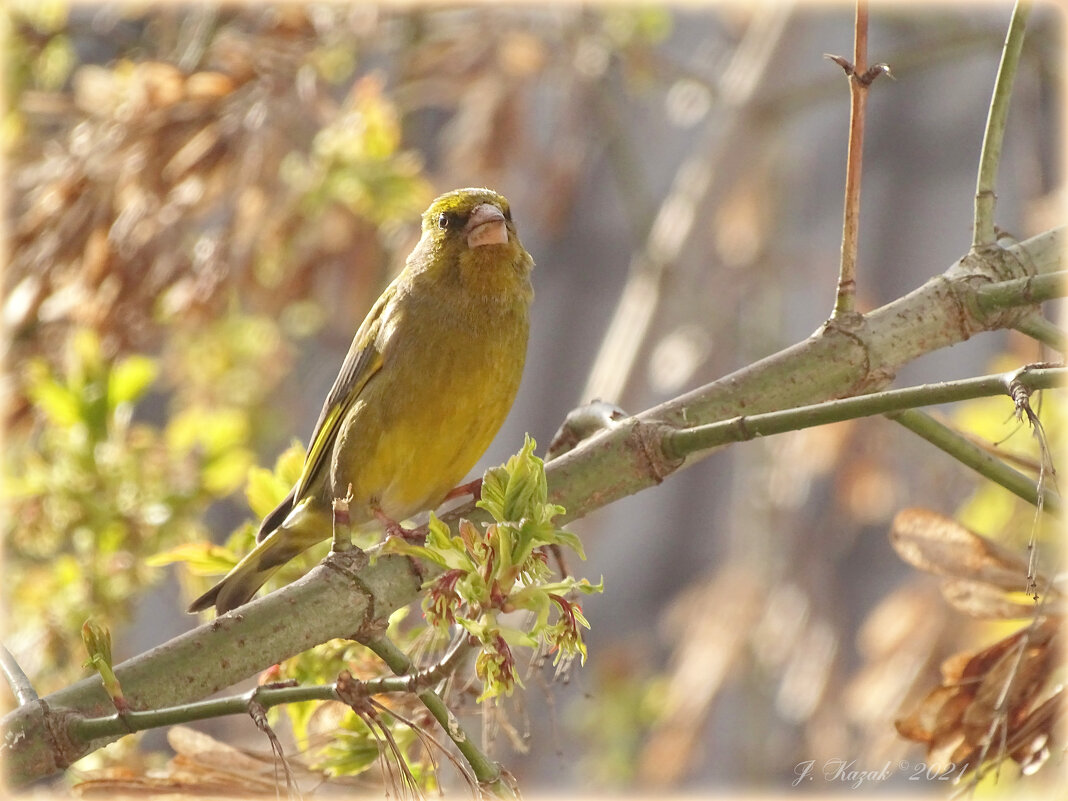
[{"x": 204, "y": 200}]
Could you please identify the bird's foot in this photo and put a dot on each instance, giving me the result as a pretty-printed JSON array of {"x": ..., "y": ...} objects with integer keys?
[
  {"x": 472, "y": 488},
  {"x": 395, "y": 529}
]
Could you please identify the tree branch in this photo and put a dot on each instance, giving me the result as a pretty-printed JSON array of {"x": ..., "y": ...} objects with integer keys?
[
  {"x": 488, "y": 772},
  {"x": 971, "y": 455},
  {"x": 117, "y": 725},
  {"x": 679, "y": 443},
  {"x": 1022, "y": 291},
  {"x": 1039, "y": 328},
  {"x": 832, "y": 363},
  {"x": 984, "y": 234},
  {"x": 347, "y": 596},
  {"x": 17, "y": 680},
  {"x": 845, "y": 297}
]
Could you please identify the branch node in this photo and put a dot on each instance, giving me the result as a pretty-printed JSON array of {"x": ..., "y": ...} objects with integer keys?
[
  {"x": 649, "y": 438},
  {"x": 353, "y": 692},
  {"x": 349, "y": 564},
  {"x": 740, "y": 425}
]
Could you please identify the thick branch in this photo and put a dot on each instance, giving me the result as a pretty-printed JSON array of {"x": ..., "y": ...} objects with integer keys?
[
  {"x": 832, "y": 363},
  {"x": 346, "y": 597},
  {"x": 343, "y": 597}
]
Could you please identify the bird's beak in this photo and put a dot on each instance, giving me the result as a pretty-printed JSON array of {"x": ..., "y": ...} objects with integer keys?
[{"x": 486, "y": 226}]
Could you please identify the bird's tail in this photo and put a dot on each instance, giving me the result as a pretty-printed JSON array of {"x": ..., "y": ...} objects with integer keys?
[{"x": 240, "y": 584}]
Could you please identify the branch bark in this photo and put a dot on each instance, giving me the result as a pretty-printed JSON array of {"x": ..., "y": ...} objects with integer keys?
[
  {"x": 832, "y": 363},
  {"x": 349, "y": 596}
]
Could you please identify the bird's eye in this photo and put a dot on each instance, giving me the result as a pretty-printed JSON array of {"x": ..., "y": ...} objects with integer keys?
[
  {"x": 443, "y": 220},
  {"x": 508, "y": 213}
]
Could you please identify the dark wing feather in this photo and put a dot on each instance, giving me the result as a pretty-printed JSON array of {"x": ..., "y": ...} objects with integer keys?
[{"x": 363, "y": 360}]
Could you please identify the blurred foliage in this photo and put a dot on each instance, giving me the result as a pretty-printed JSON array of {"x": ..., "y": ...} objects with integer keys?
[
  {"x": 90, "y": 491},
  {"x": 211, "y": 156},
  {"x": 192, "y": 191},
  {"x": 38, "y": 55},
  {"x": 631, "y": 702},
  {"x": 204, "y": 561}
]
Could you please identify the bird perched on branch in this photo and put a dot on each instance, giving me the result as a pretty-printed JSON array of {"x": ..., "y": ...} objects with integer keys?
[{"x": 426, "y": 384}]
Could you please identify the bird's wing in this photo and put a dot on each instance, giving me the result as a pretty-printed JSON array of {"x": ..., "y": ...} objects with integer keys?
[{"x": 363, "y": 360}]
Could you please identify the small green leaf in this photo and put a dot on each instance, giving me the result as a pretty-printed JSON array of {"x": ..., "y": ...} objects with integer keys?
[
  {"x": 97, "y": 641},
  {"x": 129, "y": 379},
  {"x": 494, "y": 486},
  {"x": 572, "y": 541}
]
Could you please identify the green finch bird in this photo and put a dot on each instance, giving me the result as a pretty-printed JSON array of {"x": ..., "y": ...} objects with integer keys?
[{"x": 426, "y": 384}]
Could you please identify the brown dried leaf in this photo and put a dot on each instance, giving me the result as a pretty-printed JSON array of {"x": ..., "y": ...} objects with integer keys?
[
  {"x": 949, "y": 715},
  {"x": 1009, "y": 686},
  {"x": 949, "y": 753},
  {"x": 939, "y": 545},
  {"x": 981, "y": 600},
  {"x": 920, "y": 724},
  {"x": 1030, "y": 745},
  {"x": 953, "y": 667},
  {"x": 203, "y": 766},
  {"x": 995, "y": 703}
]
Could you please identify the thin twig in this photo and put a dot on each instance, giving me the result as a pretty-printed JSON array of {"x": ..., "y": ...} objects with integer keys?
[
  {"x": 983, "y": 234},
  {"x": 844, "y": 303},
  {"x": 680, "y": 443},
  {"x": 978, "y": 459},
  {"x": 860, "y": 79},
  {"x": 266, "y": 697},
  {"x": 17, "y": 679},
  {"x": 488, "y": 772}
]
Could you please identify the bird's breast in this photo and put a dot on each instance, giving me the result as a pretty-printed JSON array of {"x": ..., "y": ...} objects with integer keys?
[{"x": 448, "y": 380}]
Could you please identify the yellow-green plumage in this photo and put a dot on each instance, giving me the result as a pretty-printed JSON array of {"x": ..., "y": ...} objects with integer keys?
[{"x": 426, "y": 384}]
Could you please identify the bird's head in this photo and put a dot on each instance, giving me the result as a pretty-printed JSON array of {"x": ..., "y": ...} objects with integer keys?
[{"x": 470, "y": 233}]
